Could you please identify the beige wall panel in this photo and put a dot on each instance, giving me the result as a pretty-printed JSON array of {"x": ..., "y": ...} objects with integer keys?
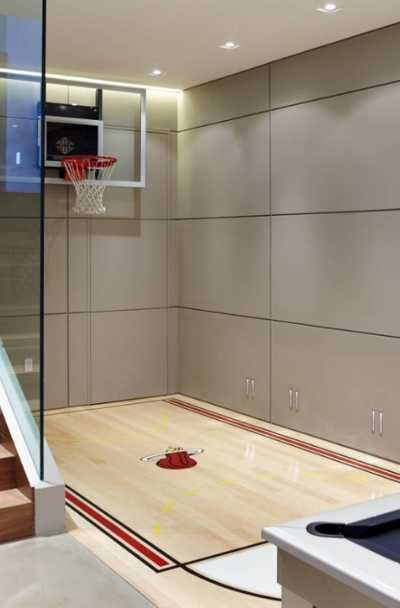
[
  {"x": 337, "y": 270},
  {"x": 151, "y": 201},
  {"x": 121, "y": 109},
  {"x": 129, "y": 264},
  {"x": 83, "y": 96},
  {"x": 19, "y": 266},
  {"x": 56, "y": 364},
  {"x": 129, "y": 355},
  {"x": 341, "y": 377},
  {"x": 173, "y": 263},
  {"x": 216, "y": 352},
  {"x": 56, "y": 201},
  {"x": 173, "y": 351},
  {"x": 57, "y": 93},
  {"x": 224, "y": 169},
  {"x": 348, "y": 65},
  {"x": 337, "y": 154},
  {"x": 56, "y": 266},
  {"x": 224, "y": 265},
  {"x": 122, "y": 144},
  {"x": 225, "y": 98},
  {"x": 18, "y": 204},
  {"x": 19, "y": 98},
  {"x": 79, "y": 359},
  {"x": 162, "y": 110},
  {"x": 172, "y": 173},
  {"x": 79, "y": 265}
]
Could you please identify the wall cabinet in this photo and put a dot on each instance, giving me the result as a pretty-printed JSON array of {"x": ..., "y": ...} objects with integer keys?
[
  {"x": 336, "y": 385},
  {"x": 224, "y": 359}
]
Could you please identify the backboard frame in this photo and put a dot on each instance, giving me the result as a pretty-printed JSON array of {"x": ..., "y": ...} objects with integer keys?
[{"x": 141, "y": 182}]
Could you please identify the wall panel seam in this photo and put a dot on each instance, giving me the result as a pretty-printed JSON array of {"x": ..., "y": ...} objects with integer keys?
[
  {"x": 220, "y": 217},
  {"x": 341, "y": 212},
  {"x": 88, "y": 311},
  {"x": 295, "y": 104},
  {"x": 300, "y": 323}
]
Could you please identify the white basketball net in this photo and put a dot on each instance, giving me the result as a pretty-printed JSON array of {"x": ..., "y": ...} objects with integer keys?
[{"x": 88, "y": 175}]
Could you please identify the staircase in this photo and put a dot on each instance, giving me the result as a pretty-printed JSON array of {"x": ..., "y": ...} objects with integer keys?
[{"x": 16, "y": 496}]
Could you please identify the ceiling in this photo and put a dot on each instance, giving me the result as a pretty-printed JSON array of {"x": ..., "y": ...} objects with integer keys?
[{"x": 126, "y": 39}]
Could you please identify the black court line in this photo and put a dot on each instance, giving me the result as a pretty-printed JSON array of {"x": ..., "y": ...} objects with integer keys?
[
  {"x": 177, "y": 564},
  {"x": 228, "y": 552}
]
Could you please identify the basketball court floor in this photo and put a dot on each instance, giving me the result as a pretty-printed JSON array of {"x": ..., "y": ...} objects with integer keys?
[{"x": 172, "y": 494}]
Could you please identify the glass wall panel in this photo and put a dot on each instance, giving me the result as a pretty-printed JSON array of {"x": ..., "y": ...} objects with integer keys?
[{"x": 21, "y": 221}]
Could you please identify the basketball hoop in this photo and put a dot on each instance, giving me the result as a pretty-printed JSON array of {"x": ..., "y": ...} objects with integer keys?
[{"x": 89, "y": 175}]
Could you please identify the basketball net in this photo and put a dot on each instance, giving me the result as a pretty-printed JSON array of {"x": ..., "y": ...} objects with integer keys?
[{"x": 89, "y": 175}]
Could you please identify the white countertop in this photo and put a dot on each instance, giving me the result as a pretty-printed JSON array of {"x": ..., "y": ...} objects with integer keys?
[{"x": 367, "y": 572}]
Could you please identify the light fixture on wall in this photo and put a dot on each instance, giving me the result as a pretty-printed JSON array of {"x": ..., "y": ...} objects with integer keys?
[
  {"x": 329, "y": 8},
  {"x": 229, "y": 45},
  {"x": 156, "y": 72}
]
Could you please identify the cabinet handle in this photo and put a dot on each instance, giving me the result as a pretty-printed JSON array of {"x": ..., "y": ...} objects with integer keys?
[
  {"x": 247, "y": 387},
  {"x": 296, "y": 401},
  {"x": 381, "y": 423},
  {"x": 253, "y": 387},
  {"x": 290, "y": 398},
  {"x": 373, "y": 416}
]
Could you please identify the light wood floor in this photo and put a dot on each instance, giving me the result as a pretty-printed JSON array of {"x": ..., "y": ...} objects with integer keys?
[{"x": 242, "y": 482}]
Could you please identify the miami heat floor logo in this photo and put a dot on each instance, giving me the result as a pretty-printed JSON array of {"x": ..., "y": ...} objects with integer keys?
[{"x": 175, "y": 458}]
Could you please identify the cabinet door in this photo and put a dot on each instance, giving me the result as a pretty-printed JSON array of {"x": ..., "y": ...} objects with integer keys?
[
  {"x": 217, "y": 353},
  {"x": 341, "y": 377},
  {"x": 386, "y": 436}
]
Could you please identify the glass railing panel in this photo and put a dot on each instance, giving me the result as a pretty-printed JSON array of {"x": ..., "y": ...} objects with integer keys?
[{"x": 21, "y": 223}]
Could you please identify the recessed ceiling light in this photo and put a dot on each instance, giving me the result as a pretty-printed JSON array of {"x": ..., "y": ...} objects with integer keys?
[
  {"x": 229, "y": 45},
  {"x": 155, "y": 72},
  {"x": 329, "y": 8}
]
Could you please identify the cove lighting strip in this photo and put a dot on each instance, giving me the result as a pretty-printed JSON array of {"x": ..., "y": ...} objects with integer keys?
[{"x": 80, "y": 80}]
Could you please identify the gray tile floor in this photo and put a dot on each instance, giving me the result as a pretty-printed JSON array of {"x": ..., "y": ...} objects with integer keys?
[{"x": 59, "y": 572}]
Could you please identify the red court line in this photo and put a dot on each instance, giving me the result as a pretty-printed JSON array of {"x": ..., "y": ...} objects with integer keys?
[
  {"x": 303, "y": 445},
  {"x": 123, "y": 535}
]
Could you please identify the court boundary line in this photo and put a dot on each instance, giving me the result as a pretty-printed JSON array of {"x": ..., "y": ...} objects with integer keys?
[
  {"x": 301, "y": 444},
  {"x": 149, "y": 553},
  {"x": 89, "y": 516}
]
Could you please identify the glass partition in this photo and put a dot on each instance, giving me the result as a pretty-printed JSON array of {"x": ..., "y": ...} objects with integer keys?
[{"x": 21, "y": 218}]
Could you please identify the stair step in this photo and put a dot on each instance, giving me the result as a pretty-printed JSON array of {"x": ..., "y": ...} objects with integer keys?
[
  {"x": 4, "y": 453},
  {"x": 16, "y": 515},
  {"x": 12, "y": 498},
  {"x": 8, "y": 475}
]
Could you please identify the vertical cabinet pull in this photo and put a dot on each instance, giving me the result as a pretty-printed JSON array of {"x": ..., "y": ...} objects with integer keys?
[
  {"x": 373, "y": 417},
  {"x": 294, "y": 400},
  {"x": 380, "y": 423},
  {"x": 247, "y": 387},
  {"x": 253, "y": 387}
]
